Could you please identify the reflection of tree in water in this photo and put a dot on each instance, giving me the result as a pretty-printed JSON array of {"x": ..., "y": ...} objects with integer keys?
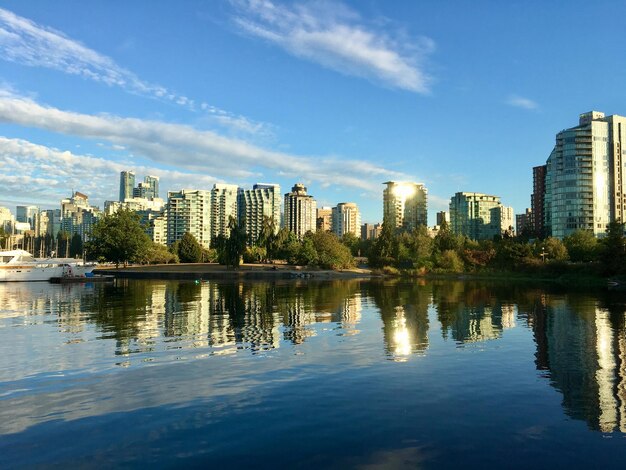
[
  {"x": 404, "y": 312},
  {"x": 585, "y": 351},
  {"x": 472, "y": 311}
]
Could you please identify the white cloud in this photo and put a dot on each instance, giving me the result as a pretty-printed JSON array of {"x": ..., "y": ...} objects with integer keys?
[
  {"x": 27, "y": 43},
  {"x": 204, "y": 152},
  {"x": 334, "y": 36},
  {"x": 521, "y": 102},
  {"x": 44, "y": 175}
]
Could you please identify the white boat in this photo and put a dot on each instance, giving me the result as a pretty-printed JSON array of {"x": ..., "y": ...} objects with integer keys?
[{"x": 20, "y": 265}]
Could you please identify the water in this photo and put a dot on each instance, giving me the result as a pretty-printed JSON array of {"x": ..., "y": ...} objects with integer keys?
[{"x": 342, "y": 374}]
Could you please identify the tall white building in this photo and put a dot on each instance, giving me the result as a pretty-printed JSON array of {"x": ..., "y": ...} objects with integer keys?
[
  {"x": 189, "y": 210},
  {"x": 26, "y": 214},
  {"x": 224, "y": 205},
  {"x": 585, "y": 186},
  {"x": 255, "y": 204},
  {"x": 346, "y": 219},
  {"x": 405, "y": 205},
  {"x": 300, "y": 211}
]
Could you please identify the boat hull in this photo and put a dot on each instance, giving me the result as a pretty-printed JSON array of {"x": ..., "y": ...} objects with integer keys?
[{"x": 30, "y": 273}]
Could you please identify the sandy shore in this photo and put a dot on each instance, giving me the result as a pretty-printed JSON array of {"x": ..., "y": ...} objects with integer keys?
[{"x": 217, "y": 271}]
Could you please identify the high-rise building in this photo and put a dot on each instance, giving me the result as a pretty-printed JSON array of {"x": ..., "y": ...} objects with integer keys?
[
  {"x": 405, "y": 205},
  {"x": 524, "y": 222},
  {"x": 371, "y": 231},
  {"x": 255, "y": 204},
  {"x": 443, "y": 216},
  {"x": 479, "y": 216},
  {"x": 127, "y": 184},
  {"x": 585, "y": 188},
  {"x": 143, "y": 191},
  {"x": 300, "y": 211},
  {"x": 346, "y": 219},
  {"x": 189, "y": 210},
  {"x": 152, "y": 182},
  {"x": 7, "y": 220},
  {"x": 224, "y": 205},
  {"x": 324, "y": 219},
  {"x": 537, "y": 202},
  {"x": 26, "y": 214},
  {"x": 78, "y": 216}
]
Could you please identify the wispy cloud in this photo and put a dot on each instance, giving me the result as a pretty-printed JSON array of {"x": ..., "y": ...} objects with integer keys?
[
  {"x": 335, "y": 36},
  {"x": 185, "y": 147},
  {"x": 27, "y": 43},
  {"x": 47, "y": 174},
  {"x": 521, "y": 102}
]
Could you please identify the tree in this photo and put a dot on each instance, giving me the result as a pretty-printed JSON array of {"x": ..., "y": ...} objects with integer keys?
[
  {"x": 63, "y": 244},
  {"x": 231, "y": 249},
  {"x": 3, "y": 238},
  {"x": 189, "y": 250},
  {"x": 446, "y": 240},
  {"x": 612, "y": 254},
  {"x": 331, "y": 253},
  {"x": 352, "y": 242},
  {"x": 553, "y": 249},
  {"x": 118, "y": 238},
  {"x": 582, "y": 245},
  {"x": 267, "y": 235},
  {"x": 76, "y": 246},
  {"x": 381, "y": 253},
  {"x": 158, "y": 254}
]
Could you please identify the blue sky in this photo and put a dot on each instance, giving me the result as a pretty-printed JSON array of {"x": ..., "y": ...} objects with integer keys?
[{"x": 461, "y": 96}]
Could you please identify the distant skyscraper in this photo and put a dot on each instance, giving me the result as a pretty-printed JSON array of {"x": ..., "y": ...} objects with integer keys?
[
  {"x": 537, "y": 202},
  {"x": 524, "y": 223},
  {"x": 189, "y": 211},
  {"x": 346, "y": 219},
  {"x": 153, "y": 184},
  {"x": 584, "y": 184},
  {"x": 224, "y": 205},
  {"x": 300, "y": 211},
  {"x": 370, "y": 231},
  {"x": 26, "y": 214},
  {"x": 78, "y": 216},
  {"x": 479, "y": 216},
  {"x": 405, "y": 205},
  {"x": 142, "y": 190},
  {"x": 442, "y": 217},
  {"x": 324, "y": 219},
  {"x": 127, "y": 184},
  {"x": 263, "y": 200}
]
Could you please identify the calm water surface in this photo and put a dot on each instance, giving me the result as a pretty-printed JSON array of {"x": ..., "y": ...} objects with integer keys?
[{"x": 342, "y": 374}]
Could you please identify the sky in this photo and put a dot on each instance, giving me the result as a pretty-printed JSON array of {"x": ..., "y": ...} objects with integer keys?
[{"x": 341, "y": 96}]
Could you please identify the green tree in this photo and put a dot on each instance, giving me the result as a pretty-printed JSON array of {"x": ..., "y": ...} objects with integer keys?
[
  {"x": 553, "y": 249},
  {"x": 3, "y": 238},
  {"x": 63, "y": 244},
  {"x": 267, "y": 236},
  {"x": 446, "y": 240},
  {"x": 382, "y": 251},
  {"x": 582, "y": 245},
  {"x": 231, "y": 249},
  {"x": 612, "y": 251},
  {"x": 352, "y": 242},
  {"x": 331, "y": 253},
  {"x": 76, "y": 246},
  {"x": 285, "y": 245},
  {"x": 158, "y": 254},
  {"x": 118, "y": 238},
  {"x": 306, "y": 254},
  {"x": 189, "y": 250},
  {"x": 449, "y": 261}
]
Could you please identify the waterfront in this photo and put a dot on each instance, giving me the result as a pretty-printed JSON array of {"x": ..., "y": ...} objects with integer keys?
[{"x": 343, "y": 374}]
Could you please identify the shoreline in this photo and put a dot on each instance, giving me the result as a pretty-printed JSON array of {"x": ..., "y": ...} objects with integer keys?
[{"x": 214, "y": 271}]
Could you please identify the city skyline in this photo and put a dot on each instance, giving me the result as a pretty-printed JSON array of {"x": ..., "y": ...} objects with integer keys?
[{"x": 241, "y": 92}]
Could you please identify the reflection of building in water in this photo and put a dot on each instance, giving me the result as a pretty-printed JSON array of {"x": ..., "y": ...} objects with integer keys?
[
  {"x": 351, "y": 313},
  {"x": 470, "y": 325},
  {"x": 297, "y": 316},
  {"x": 404, "y": 312},
  {"x": 585, "y": 351}
]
